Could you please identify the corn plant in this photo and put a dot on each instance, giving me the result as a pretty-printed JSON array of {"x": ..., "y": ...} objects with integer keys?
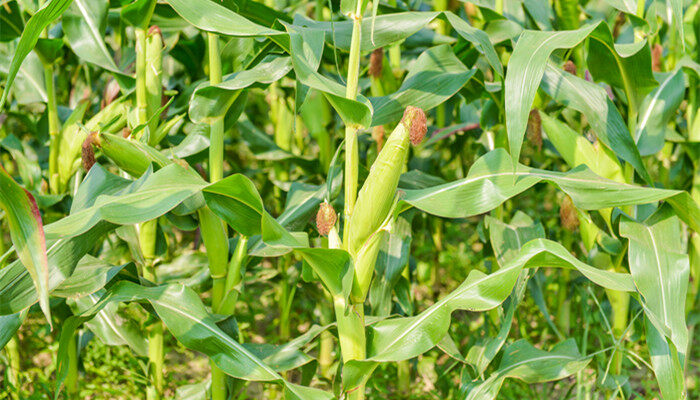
[{"x": 351, "y": 200}]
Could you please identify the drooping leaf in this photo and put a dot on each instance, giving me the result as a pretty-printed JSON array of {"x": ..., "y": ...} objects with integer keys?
[
  {"x": 84, "y": 24},
  {"x": 147, "y": 198},
  {"x": 110, "y": 327},
  {"x": 306, "y": 47},
  {"x": 593, "y": 102},
  {"x": 656, "y": 110},
  {"x": 491, "y": 181},
  {"x": 90, "y": 275},
  {"x": 665, "y": 362},
  {"x": 661, "y": 271},
  {"x": 523, "y": 361},
  {"x": 184, "y": 315},
  {"x": 525, "y": 69},
  {"x": 212, "y": 102},
  {"x": 435, "y": 76},
  {"x": 27, "y": 233}
]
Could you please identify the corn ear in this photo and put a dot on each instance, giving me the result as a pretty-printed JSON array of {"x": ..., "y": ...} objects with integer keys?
[
  {"x": 112, "y": 118},
  {"x": 130, "y": 155},
  {"x": 154, "y": 72},
  {"x": 376, "y": 198}
]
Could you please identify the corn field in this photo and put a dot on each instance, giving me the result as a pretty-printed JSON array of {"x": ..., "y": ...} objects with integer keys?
[{"x": 287, "y": 199}]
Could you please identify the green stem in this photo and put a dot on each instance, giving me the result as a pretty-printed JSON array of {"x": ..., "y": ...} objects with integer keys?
[
  {"x": 214, "y": 228},
  {"x": 325, "y": 352},
  {"x": 12, "y": 353},
  {"x": 148, "y": 229},
  {"x": 216, "y": 149},
  {"x": 54, "y": 128},
  {"x": 351, "y": 334},
  {"x": 71, "y": 381},
  {"x": 147, "y": 241},
  {"x": 141, "y": 91}
]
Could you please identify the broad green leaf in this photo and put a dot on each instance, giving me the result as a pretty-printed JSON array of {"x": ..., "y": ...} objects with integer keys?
[
  {"x": 657, "y": 110},
  {"x": 29, "y": 85},
  {"x": 395, "y": 27},
  {"x": 27, "y": 234},
  {"x": 306, "y": 48},
  {"x": 84, "y": 24},
  {"x": 626, "y": 66},
  {"x": 212, "y": 102},
  {"x": 147, "y": 198},
  {"x": 403, "y": 338},
  {"x": 111, "y": 328},
  {"x": 576, "y": 150},
  {"x": 397, "y": 339},
  {"x": 391, "y": 261},
  {"x": 665, "y": 362},
  {"x": 333, "y": 267},
  {"x": 661, "y": 270},
  {"x": 236, "y": 200},
  {"x": 523, "y": 361},
  {"x": 435, "y": 76},
  {"x": 9, "y": 325},
  {"x": 525, "y": 69},
  {"x": 491, "y": 181},
  {"x": 507, "y": 239},
  {"x": 90, "y": 275},
  {"x": 138, "y": 13},
  {"x": 212, "y": 17},
  {"x": 593, "y": 102},
  {"x": 17, "y": 291},
  {"x": 12, "y": 20},
  {"x": 48, "y": 13},
  {"x": 184, "y": 315}
]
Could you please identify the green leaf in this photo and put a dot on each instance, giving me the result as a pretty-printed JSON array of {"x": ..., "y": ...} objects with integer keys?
[
  {"x": 507, "y": 239},
  {"x": 666, "y": 364},
  {"x": 138, "y": 13},
  {"x": 146, "y": 198},
  {"x": 90, "y": 275},
  {"x": 626, "y": 66},
  {"x": 111, "y": 328},
  {"x": 491, "y": 181},
  {"x": 9, "y": 325},
  {"x": 48, "y": 13},
  {"x": 661, "y": 270},
  {"x": 27, "y": 234},
  {"x": 657, "y": 110},
  {"x": 523, "y": 361},
  {"x": 184, "y": 315},
  {"x": 29, "y": 86},
  {"x": 212, "y": 17},
  {"x": 577, "y": 150},
  {"x": 398, "y": 339},
  {"x": 391, "y": 261},
  {"x": 395, "y": 27},
  {"x": 84, "y": 24},
  {"x": 593, "y": 102},
  {"x": 235, "y": 200},
  {"x": 525, "y": 69},
  {"x": 306, "y": 47},
  {"x": 435, "y": 76},
  {"x": 333, "y": 267},
  {"x": 17, "y": 291},
  {"x": 212, "y": 102}
]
